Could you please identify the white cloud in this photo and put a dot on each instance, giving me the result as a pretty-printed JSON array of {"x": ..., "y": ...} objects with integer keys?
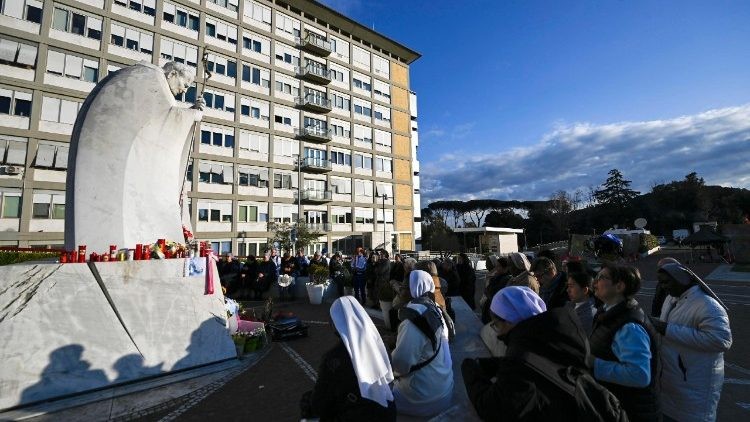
[{"x": 715, "y": 144}]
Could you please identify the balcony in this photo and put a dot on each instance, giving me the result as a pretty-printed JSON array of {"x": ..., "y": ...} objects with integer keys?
[
  {"x": 314, "y": 103},
  {"x": 314, "y": 196},
  {"x": 315, "y": 165},
  {"x": 314, "y": 134},
  {"x": 319, "y": 227},
  {"x": 315, "y": 44},
  {"x": 315, "y": 74}
]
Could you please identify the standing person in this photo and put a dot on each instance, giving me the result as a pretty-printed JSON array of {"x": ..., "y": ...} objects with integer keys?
[
  {"x": 338, "y": 273},
  {"x": 359, "y": 265},
  {"x": 372, "y": 262},
  {"x": 382, "y": 273},
  {"x": 695, "y": 334},
  {"x": 317, "y": 259},
  {"x": 397, "y": 269},
  {"x": 276, "y": 259},
  {"x": 579, "y": 292},
  {"x": 421, "y": 360},
  {"x": 249, "y": 277},
  {"x": 267, "y": 275},
  {"x": 468, "y": 278},
  {"x": 286, "y": 280},
  {"x": 498, "y": 278},
  {"x": 352, "y": 383},
  {"x": 447, "y": 271},
  {"x": 302, "y": 263},
  {"x": 624, "y": 344},
  {"x": 552, "y": 285}
]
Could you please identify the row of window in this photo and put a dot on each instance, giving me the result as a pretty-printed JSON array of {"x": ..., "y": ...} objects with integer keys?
[
  {"x": 221, "y": 212},
  {"x": 51, "y": 205}
]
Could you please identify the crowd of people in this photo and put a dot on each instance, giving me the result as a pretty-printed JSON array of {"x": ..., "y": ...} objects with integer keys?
[{"x": 546, "y": 319}]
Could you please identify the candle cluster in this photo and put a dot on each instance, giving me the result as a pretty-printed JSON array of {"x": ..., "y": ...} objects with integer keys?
[{"x": 162, "y": 249}]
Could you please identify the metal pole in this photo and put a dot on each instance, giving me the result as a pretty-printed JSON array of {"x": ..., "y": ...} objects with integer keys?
[
  {"x": 385, "y": 196},
  {"x": 299, "y": 199}
]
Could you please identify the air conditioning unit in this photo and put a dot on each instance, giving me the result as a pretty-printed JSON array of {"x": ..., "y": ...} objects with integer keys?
[{"x": 12, "y": 170}]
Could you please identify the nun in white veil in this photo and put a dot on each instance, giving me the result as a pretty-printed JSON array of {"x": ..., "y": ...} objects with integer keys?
[{"x": 353, "y": 381}]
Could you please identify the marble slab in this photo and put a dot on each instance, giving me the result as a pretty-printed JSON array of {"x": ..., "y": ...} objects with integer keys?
[{"x": 60, "y": 334}]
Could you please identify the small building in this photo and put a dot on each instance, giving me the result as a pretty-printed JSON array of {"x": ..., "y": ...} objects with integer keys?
[{"x": 497, "y": 240}]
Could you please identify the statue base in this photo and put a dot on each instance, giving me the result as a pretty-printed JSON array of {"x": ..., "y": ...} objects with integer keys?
[{"x": 69, "y": 328}]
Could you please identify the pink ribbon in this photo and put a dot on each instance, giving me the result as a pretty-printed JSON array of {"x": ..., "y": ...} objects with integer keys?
[{"x": 210, "y": 266}]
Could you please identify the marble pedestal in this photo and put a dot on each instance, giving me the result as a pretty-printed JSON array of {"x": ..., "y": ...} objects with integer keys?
[{"x": 67, "y": 328}]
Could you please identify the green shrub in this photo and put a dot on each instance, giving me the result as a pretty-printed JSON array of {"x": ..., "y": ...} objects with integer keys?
[{"x": 14, "y": 257}]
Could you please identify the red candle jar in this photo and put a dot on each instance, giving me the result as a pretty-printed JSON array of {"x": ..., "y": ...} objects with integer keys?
[
  {"x": 93, "y": 257},
  {"x": 146, "y": 253},
  {"x": 138, "y": 253},
  {"x": 72, "y": 257},
  {"x": 81, "y": 253},
  {"x": 162, "y": 245},
  {"x": 63, "y": 257},
  {"x": 112, "y": 252},
  {"x": 105, "y": 257}
]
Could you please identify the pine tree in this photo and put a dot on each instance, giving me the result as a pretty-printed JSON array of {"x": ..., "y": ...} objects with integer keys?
[{"x": 616, "y": 195}]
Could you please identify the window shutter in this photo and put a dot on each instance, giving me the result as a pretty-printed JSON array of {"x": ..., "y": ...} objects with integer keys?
[
  {"x": 73, "y": 66},
  {"x": 8, "y": 50},
  {"x": 61, "y": 159},
  {"x": 169, "y": 8},
  {"x": 295, "y": 181},
  {"x": 68, "y": 112},
  {"x": 45, "y": 155},
  {"x": 117, "y": 30},
  {"x": 147, "y": 41},
  {"x": 94, "y": 23},
  {"x": 50, "y": 109},
  {"x": 228, "y": 174},
  {"x": 16, "y": 153},
  {"x": 58, "y": 198},
  {"x": 204, "y": 167},
  {"x": 55, "y": 62}
]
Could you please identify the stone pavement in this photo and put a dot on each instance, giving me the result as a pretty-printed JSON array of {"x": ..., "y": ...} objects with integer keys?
[{"x": 263, "y": 386}]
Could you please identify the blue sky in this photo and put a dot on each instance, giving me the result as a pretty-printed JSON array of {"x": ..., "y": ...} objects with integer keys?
[{"x": 519, "y": 99}]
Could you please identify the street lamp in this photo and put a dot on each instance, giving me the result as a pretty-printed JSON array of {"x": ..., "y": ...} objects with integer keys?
[{"x": 385, "y": 198}]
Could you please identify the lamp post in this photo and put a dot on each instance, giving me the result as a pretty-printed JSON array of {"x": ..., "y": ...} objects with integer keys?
[
  {"x": 385, "y": 198},
  {"x": 298, "y": 162}
]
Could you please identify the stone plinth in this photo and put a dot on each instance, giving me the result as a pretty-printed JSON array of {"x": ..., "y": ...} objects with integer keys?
[{"x": 67, "y": 329}]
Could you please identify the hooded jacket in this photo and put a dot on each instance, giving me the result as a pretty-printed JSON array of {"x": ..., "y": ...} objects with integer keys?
[{"x": 692, "y": 355}]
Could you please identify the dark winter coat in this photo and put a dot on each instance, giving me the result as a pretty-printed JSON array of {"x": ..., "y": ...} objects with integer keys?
[
  {"x": 468, "y": 278},
  {"x": 496, "y": 283},
  {"x": 336, "y": 396},
  {"x": 520, "y": 393}
]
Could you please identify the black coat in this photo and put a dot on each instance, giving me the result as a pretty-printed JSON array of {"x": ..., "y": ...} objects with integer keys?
[
  {"x": 336, "y": 397},
  {"x": 467, "y": 288},
  {"x": 519, "y": 393},
  {"x": 496, "y": 283}
]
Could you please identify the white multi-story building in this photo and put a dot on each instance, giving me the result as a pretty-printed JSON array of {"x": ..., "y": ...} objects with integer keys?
[{"x": 295, "y": 85}]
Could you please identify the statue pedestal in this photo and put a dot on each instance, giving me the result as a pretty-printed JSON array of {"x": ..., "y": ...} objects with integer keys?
[{"x": 66, "y": 332}]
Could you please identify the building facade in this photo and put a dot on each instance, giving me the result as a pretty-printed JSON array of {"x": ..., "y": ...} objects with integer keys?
[{"x": 308, "y": 114}]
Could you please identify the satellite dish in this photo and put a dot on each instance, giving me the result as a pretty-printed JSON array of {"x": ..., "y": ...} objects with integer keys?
[{"x": 640, "y": 222}]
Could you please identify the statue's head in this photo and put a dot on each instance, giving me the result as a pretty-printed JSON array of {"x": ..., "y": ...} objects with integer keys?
[{"x": 179, "y": 77}]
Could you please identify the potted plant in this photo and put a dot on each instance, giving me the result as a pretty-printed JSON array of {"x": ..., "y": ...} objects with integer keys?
[
  {"x": 385, "y": 296},
  {"x": 239, "y": 342},
  {"x": 318, "y": 283}
]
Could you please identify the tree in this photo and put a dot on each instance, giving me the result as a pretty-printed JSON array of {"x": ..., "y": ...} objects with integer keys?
[
  {"x": 616, "y": 191},
  {"x": 616, "y": 197},
  {"x": 504, "y": 218},
  {"x": 282, "y": 234}
]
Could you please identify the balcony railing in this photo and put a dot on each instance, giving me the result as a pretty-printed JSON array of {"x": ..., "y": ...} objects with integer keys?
[
  {"x": 319, "y": 227},
  {"x": 314, "y": 103},
  {"x": 316, "y": 165},
  {"x": 314, "y": 195},
  {"x": 314, "y": 134},
  {"x": 314, "y": 73},
  {"x": 315, "y": 44}
]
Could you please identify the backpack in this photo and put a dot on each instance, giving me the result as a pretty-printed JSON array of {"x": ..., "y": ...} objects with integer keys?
[{"x": 594, "y": 402}]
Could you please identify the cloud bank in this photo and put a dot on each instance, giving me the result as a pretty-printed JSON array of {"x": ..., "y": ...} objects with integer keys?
[{"x": 715, "y": 144}]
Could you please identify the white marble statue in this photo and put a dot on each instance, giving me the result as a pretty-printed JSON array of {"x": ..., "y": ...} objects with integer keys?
[{"x": 127, "y": 160}]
